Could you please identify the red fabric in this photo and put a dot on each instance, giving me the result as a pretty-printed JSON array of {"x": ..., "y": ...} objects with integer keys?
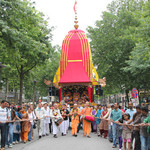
[
  {"x": 75, "y": 49},
  {"x": 104, "y": 113},
  {"x": 89, "y": 118},
  {"x": 92, "y": 94},
  {"x": 89, "y": 92},
  {"x": 60, "y": 94},
  {"x": 75, "y": 64},
  {"x": 74, "y": 73}
]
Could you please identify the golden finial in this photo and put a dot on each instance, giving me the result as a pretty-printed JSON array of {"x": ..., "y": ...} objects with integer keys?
[{"x": 76, "y": 18}]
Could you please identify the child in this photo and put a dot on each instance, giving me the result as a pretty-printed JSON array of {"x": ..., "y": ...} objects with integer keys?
[{"x": 127, "y": 132}]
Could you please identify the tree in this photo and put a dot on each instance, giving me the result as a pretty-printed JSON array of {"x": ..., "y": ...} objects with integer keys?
[
  {"x": 41, "y": 72},
  {"x": 25, "y": 35},
  {"x": 112, "y": 43},
  {"x": 139, "y": 60}
]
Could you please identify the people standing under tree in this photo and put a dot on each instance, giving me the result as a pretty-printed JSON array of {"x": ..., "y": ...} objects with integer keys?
[
  {"x": 9, "y": 126},
  {"x": 3, "y": 120},
  {"x": 131, "y": 111},
  {"x": 146, "y": 122},
  {"x": 64, "y": 125},
  {"x": 116, "y": 114},
  {"x": 75, "y": 113},
  {"x": 40, "y": 114},
  {"x": 33, "y": 113},
  {"x": 32, "y": 117},
  {"x": 136, "y": 129},
  {"x": 110, "y": 125},
  {"x": 17, "y": 126},
  {"x": 126, "y": 135},
  {"x": 87, "y": 111},
  {"x": 98, "y": 120},
  {"x": 46, "y": 119},
  {"x": 55, "y": 115},
  {"x": 144, "y": 135},
  {"x": 24, "y": 125},
  {"x": 104, "y": 123}
]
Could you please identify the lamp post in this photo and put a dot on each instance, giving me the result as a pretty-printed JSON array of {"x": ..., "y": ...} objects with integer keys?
[
  {"x": 123, "y": 99},
  {"x": 34, "y": 88}
]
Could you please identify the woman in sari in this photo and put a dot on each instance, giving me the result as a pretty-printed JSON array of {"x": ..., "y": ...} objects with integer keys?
[
  {"x": 24, "y": 126},
  {"x": 104, "y": 123}
]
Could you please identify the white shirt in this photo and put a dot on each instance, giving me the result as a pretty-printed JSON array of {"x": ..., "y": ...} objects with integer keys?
[
  {"x": 3, "y": 114},
  {"x": 31, "y": 117},
  {"x": 40, "y": 113},
  {"x": 47, "y": 113}
]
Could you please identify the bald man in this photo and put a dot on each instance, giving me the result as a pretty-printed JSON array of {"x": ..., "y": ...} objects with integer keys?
[
  {"x": 75, "y": 113},
  {"x": 87, "y": 111},
  {"x": 55, "y": 114}
]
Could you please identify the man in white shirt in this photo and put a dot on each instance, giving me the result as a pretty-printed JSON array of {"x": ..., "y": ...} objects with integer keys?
[
  {"x": 40, "y": 114},
  {"x": 3, "y": 120},
  {"x": 46, "y": 119},
  {"x": 55, "y": 114}
]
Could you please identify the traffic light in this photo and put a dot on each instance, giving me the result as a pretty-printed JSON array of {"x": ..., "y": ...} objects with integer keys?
[
  {"x": 57, "y": 92},
  {"x": 52, "y": 91},
  {"x": 100, "y": 92},
  {"x": 96, "y": 89}
]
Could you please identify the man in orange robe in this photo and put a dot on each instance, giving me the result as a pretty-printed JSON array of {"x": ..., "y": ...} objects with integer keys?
[
  {"x": 87, "y": 111},
  {"x": 75, "y": 113}
]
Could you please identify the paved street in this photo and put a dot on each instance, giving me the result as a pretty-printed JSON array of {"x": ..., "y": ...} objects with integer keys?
[{"x": 66, "y": 143}]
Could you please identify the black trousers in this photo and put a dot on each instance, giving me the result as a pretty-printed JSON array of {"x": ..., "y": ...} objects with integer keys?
[
  {"x": 3, "y": 134},
  {"x": 50, "y": 126},
  {"x": 79, "y": 125},
  {"x": 136, "y": 135}
]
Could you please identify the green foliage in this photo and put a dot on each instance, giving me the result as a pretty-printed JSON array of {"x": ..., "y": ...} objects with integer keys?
[
  {"x": 25, "y": 39},
  {"x": 41, "y": 72},
  {"x": 118, "y": 39}
]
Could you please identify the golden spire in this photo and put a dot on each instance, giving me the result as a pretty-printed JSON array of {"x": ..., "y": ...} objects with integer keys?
[{"x": 76, "y": 18}]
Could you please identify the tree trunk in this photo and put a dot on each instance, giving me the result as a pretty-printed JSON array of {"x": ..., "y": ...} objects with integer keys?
[
  {"x": 7, "y": 89},
  {"x": 21, "y": 85},
  {"x": 34, "y": 88},
  {"x": 139, "y": 96},
  {"x": 15, "y": 97},
  {"x": 127, "y": 91}
]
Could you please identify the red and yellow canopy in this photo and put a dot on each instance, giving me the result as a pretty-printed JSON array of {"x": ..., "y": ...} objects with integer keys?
[{"x": 76, "y": 61}]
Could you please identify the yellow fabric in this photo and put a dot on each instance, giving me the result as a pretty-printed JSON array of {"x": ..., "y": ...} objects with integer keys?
[
  {"x": 57, "y": 77},
  {"x": 95, "y": 81},
  {"x": 86, "y": 127},
  {"x": 74, "y": 121},
  {"x": 24, "y": 136},
  {"x": 96, "y": 74}
]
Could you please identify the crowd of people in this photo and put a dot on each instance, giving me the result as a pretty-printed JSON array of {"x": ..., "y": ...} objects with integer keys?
[{"x": 128, "y": 128}]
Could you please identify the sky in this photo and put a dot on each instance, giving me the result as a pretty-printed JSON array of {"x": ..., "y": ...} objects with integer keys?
[{"x": 61, "y": 15}]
